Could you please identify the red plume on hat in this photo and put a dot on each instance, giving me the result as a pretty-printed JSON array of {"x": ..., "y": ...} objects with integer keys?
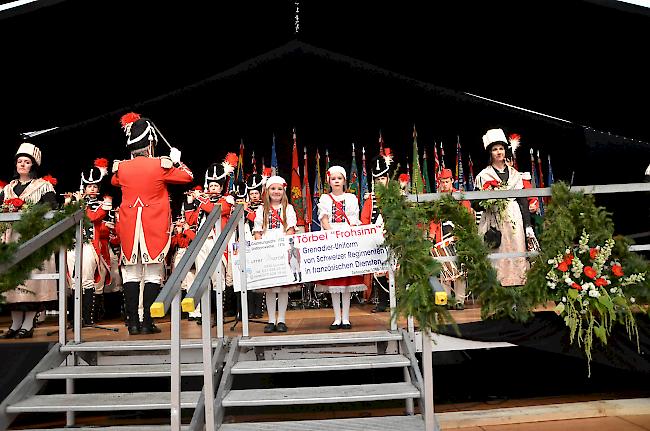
[
  {"x": 129, "y": 118},
  {"x": 102, "y": 165},
  {"x": 267, "y": 172},
  {"x": 404, "y": 180},
  {"x": 198, "y": 188}
]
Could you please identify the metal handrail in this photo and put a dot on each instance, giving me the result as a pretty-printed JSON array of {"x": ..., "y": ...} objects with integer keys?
[
  {"x": 193, "y": 297},
  {"x": 43, "y": 238},
  {"x": 172, "y": 285},
  {"x": 532, "y": 192}
]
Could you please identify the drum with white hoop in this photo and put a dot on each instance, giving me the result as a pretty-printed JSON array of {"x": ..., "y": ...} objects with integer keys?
[{"x": 450, "y": 270}]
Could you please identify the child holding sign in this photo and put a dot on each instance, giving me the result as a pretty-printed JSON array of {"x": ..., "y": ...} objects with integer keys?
[
  {"x": 274, "y": 219},
  {"x": 339, "y": 210}
]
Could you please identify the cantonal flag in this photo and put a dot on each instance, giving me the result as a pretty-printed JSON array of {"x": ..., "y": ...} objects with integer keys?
[{"x": 296, "y": 188}]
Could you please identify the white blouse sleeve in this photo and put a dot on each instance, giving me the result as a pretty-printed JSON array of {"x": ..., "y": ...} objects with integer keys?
[
  {"x": 325, "y": 207},
  {"x": 352, "y": 209},
  {"x": 259, "y": 219},
  {"x": 292, "y": 219}
]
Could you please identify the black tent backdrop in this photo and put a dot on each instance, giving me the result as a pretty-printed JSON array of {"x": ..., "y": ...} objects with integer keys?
[{"x": 231, "y": 75}]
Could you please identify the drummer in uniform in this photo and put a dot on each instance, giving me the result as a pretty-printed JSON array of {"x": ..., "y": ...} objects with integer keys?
[{"x": 441, "y": 234}]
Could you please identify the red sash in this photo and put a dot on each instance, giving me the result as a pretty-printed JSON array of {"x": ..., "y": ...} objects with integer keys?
[{"x": 339, "y": 206}]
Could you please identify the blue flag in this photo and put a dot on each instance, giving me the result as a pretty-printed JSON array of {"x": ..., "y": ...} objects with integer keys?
[
  {"x": 274, "y": 159},
  {"x": 550, "y": 179},
  {"x": 364, "y": 176}
]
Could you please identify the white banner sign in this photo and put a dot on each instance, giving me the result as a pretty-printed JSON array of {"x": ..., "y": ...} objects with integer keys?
[{"x": 312, "y": 256}]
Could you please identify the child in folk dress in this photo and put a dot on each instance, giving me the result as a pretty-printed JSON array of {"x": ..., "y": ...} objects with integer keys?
[
  {"x": 274, "y": 219},
  {"x": 339, "y": 210}
]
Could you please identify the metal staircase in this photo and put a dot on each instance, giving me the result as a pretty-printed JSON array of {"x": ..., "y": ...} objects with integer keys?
[
  {"x": 332, "y": 353},
  {"x": 126, "y": 360}
]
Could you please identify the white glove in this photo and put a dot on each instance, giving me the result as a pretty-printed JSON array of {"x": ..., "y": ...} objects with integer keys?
[
  {"x": 175, "y": 155},
  {"x": 107, "y": 204},
  {"x": 529, "y": 232}
]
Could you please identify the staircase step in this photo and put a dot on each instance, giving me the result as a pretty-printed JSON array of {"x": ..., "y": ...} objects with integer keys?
[
  {"x": 101, "y": 402},
  {"x": 319, "y": 395},
  {"x": 135, "y": 345},
  {"x": 320, "y": 364},
  {"x": 323, "y": 338},
  {"x": 386, "y": 423},
  {"x": 118, "y": 371},
  {"x": 114, "y": 428}
]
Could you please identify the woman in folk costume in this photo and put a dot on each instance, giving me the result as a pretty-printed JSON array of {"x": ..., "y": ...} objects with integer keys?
[
  {"x": 95, "y": 271},
  {"x": 26, "y": 300},
  {"x": 380, "y": 169},
  {"x": 216, "y": 181},
  {"x": 254, "y": 185},
  {"x": 514, "y": 223},
  {"x": 145, "y": 216},
  {"x": 275, "y": 219},
  {"x": 339, "y": 210}
]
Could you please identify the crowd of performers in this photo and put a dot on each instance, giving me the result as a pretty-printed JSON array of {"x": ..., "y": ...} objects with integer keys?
[{"x": 129, "y": 249}]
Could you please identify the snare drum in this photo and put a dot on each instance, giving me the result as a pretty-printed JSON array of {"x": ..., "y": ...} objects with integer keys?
[{"x": 450, "y": 270}]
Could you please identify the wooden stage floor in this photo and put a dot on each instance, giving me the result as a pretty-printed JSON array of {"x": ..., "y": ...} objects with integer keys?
[{"x": 299, "y": 321}]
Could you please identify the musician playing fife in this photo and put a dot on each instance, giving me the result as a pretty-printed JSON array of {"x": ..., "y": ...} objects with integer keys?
[
  {"x": 439, "y": 230},
  {"x": 145, "y": 216}
]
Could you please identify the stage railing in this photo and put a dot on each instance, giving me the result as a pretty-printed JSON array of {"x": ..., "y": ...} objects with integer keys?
[
  {"x": 427, "y": 361},
  {"x": 169, "y": 299},
  {"x": 36, "y": 243}
]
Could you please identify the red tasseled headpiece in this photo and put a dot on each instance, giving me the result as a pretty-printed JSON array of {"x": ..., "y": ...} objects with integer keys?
[
  {"x": 129, "y": 118},
  {"x": 101, "y": 163},
  {"x": 232, "y": 159},
  {"x": 50, "y": 179},
  {"x": 267, "y": 172}
]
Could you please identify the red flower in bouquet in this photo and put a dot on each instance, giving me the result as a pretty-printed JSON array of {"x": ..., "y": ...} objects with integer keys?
[
  {"x": 492, "y": 184},
  {"x": 601, "y": 282},
  {"x": 590, "y": 272},
  {"x": 617, "y": 270},
  {"x": 12, "y": 205},
  {"x": 576, "y": 286},
  {"x": 563, "y": 266},
  {"x": 593, "y": 252},
  {"x": 568, "y": 259}
]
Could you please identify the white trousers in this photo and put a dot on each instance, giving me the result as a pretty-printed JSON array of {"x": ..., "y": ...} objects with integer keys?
[{"x": 88, "y": 267}]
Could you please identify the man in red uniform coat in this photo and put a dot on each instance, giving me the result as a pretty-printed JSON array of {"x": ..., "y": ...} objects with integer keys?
[{"x": 145, "y": 216}]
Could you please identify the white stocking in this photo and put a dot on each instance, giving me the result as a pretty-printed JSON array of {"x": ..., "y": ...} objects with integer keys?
[
  {"x": 336, "y": 306},
  {"x": 17, "y": 318},
  {"x": 270, "y": 306},
  {"x": 345, "y": 299},
  {"x": 283, "y": 301},
  {"x": 28, "y": 322}
]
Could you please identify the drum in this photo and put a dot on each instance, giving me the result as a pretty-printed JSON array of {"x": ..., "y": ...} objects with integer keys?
[{"x": 450, "y": 270}]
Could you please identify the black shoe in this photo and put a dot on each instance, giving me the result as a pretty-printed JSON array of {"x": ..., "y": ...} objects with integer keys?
[
  {"x": 335, "y": 326},
  {"x": 24, "y": 333},
  {"x": 281, "y": 327},
  {"x": 270, "y": 328},
  {"x": 11, "y": 333},
  {"x": 346, "y": 326},
  {"x": 150, "y": 329},
  {"x": 134, "y": 330}
]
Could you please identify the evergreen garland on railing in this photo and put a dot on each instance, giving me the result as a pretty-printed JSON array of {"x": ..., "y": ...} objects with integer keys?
[{"x": 32, "y": 223}]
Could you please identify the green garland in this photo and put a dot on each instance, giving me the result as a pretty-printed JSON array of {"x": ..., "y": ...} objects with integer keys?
[
  {"x": 573, "y": 218},
  {"x": 405, "y": 239},
  {"x": 405, "y": 225},
  {"x": 31, "y": 224}
]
